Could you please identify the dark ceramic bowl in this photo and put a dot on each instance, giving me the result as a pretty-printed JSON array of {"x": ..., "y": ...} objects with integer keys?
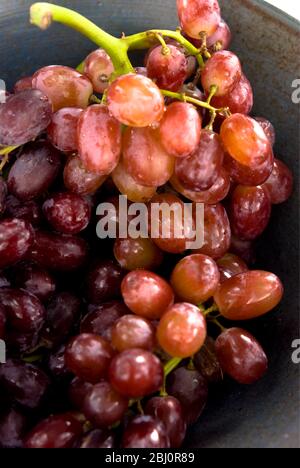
[{"x": 266, "y": 414}]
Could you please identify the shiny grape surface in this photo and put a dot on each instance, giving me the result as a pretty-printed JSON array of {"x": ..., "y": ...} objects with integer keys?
[
  {"x": 64, "y": 86},
  {"x": 195, "y": 279},
  {"x": 135, "y": 100},
  {"x": 280, "y": 184},
  {"x": 16, "y": 238},
  {"x": 180, "y": 129},
  {"x": 217, "y": 232},
  {"x": 141, "y": 254},
  {"x": 147, "y": 294},
  {"x": 230, "y": 265},
  {"x": 144, "y": 157},
  {"x": 239, "y": 99},
  {"x": 198, "y": 16},
  {"x": 223, "y": 70},
  {"x": 263, "y": 291},
  {"x": 145, "y": 432},
  {"x": 182, "y": 330},
  {"x": 98, "y": 68},
  {"x": 24, "y": 181},
  {"x": 98, "y": 439},
  {"x": 23, "y": 117},
  {"x": 168, "y": 70},
  {"x": 103, "y": 282},
  {"x": 101, "y": 319},
  {"x": 78, "y": 179},
  {"x": 99, "y": 140},
  {"x": 128, "y": 186},
  {"x": 35, "y": 280},
  {"x": 131, "y": 331},
  {"x": 29, "y": 211},
  {"x": 241, "y": 356},
  {"x": 62, "y": 131}
]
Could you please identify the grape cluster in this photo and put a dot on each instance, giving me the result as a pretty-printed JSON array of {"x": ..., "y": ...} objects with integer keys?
[{"x": 100, "y": 331}]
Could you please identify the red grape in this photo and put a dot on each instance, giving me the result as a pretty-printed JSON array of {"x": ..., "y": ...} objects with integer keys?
[
  {"x": 99, "y": 140},
  {"x": 145, "y": 432},
  {"x": 223, "y": 70},
  {"x": 168, "y": 410},
  {"x": 98, "y": 439},
  {"x": 206, "y": 362},
  {"x": 103, "y": 406},
  {"x": 230, "y": 265},
  {"x": 101, "y": 319},
  {"x": 144, "y": 157},
  {"x": 250, "y": 160},
  {"x": 198, "y": 16},
  {"x": 217, "y": 232},
  {"x": 62, "y": 313},
  {"x": 23, "y": 117},
  {"x": 3, "y": 193},
  {"x": 12, "y": 428},
  {"x": 67, "y": 213},
  {"x": 56, "y": 432},
  {"x": 222, "y": 36},
  {"x": 56, "y": 252},
  {"x": 28, "y": 211},
  {"x": 133, "y": 254},
  {"x": 201, "y": 170},
  {"x": 62, "y": 132},
  {"x": 280, "y": 183},
  {"x": 64, "y": 86},
  {"x": 26, "y": 182},
  {"x": 250, "y": 211},
  {"x": 104, "y": 282},
  {"x": 249, "y": 295},
  {"x": 98, "y": 67},
  {"x": 182, "y": 330},
  {"x": 136, "y": 373},
  {"x": 168, "y": 70},
  {"x": 78, "y": 389},
  {"x": 268, "y": 128},
  {"x": 170, "y": 229},
  {"x": 131, "y": 331},
  {"x": 215, "y": 194},
  {"x": 16, "y": 238},
  {"x": 241, "y": 356},
  {"x": 26, "y": 384},
  {"x": 195, "y": 279},
  {"x": 180, "y": 129},
  {"x": 35, "y": 280},
  {"x": 128, "y": 186},
  {"x": 190, "y": 388},
  {"x": 88, "y": 356},
  {"x": 78, "y": 179},
  {"x": 239, "y": 99},
  {"x": 147, "y": 294},
  {"x": 23, "y": 84},
  {"x": 135, "y": 100}
]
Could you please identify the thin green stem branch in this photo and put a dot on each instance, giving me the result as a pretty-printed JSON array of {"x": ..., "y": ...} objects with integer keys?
[
  {"x": 43, "y": 14},
  {"x": 185, "y": 98}
]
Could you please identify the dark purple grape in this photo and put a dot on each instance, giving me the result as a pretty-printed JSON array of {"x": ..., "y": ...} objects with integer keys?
[
  {"x": 24, "y": 383},
  {"x": 145, "y": 432},
  {"x": 25, "y": 317},
  {"x": 35, "y": 280},
  {"x": 57, "y": 365},
  {"x": 207, "y": 363},
  {"x": 77, "y": 391},
  {"x": 168, "y": 410},
  {"x": 12, "y": 428},
  {"x": 16, "y": 238},
  {"x": 190, "y": 388},
  {"x": 59, "y": 431},
  {"x": 2, "y": 322},
  {"x": 103, "y": 406},
  {"x": 62, "y": 313},
  {"x": 23, "y": 117},
  {"x": 34, "y": 171},
  {"x": 3, "y": 193},
  {"x": 104, "y": 282},
  {"x": 98, "y": 439},
  {"x": 57, "y": 252},
  {"x": 29, "y": 211},
  {"x": 101, "y": 319},
  {"x": 88, "y": 356},
  {"x": 67, "y": 213},
  {"x": 241, "y": 356}
]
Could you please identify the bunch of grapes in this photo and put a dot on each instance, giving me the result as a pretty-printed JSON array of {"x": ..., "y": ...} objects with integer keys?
[{"x": 116, "y": 344}]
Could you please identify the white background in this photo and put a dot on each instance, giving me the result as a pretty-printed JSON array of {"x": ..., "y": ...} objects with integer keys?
[{"x": 292, "y": 7}]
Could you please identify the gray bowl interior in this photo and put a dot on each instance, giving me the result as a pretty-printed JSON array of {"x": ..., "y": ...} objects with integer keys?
[{"x": 267, "y": 414}]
